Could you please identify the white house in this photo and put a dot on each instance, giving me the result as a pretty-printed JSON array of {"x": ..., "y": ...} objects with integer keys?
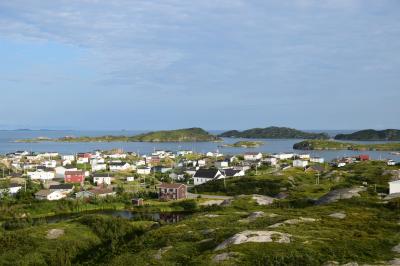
[
  {"x": 121, "y": 166},
  {"x": 184, "y": 152},
  {"x": 50, "y": 163},
  {"x": 201, "y": 162},
  {"x": 284, "y": 156},
  {"x": 82, "y": 160},
  {"x": 68, "y": 157},
  {"x": 317, "y": 160},
  {"x": 60, "y": 171},
  {"x": 304, "y": 156},
  {"x": 221, "y": 164},
  {"x": 41, "y": 175},
  {"x": 252, "y": 156},
  {"x": 63, "y": 188},
  {"x": 214, "y": 154},
  {"x": 341, "y": 164},
  {"x": 144, "y": 170},
  {"x": 391, "y": 163},
  {"x": 98, "y": 180},
  {"x": 130, "y": 178},
  {"x": 394, "y": 187},
  {"x": 300, "y": 163},
  {"x": 12, "y": 189},
  {"x": 46, "y": 194},
  {"x": 204, "y": 175},
  {"x": 271, "y": 161},
  {"x": 99, "y": 167}
]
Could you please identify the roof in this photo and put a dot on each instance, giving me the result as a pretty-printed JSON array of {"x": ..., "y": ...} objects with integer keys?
[
  {"x": 174, "y": 185},
  {"x": 230, "y": 172},
  {"x": 74, "y": 172},
  {"x": 206, "y": 173},
  {"x": 395, "y": 182},
  {"x": 61, "y": 186},
  {"x": 318, "y": 168},
  {"x": 118, "y": 164},
  {"x": 43, "y": 193}
]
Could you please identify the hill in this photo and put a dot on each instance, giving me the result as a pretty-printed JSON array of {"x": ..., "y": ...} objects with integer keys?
[
  {"x": 273, "y": 133},
  {"x": 178, "y": 135},
  {"x": 371, "y": 134}
]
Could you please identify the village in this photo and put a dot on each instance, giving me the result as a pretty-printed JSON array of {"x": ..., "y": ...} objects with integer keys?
[{"x": 102, "y": 174}]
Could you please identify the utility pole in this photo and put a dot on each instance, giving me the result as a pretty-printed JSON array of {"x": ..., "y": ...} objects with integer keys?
[{"x": 317, "y": 179}]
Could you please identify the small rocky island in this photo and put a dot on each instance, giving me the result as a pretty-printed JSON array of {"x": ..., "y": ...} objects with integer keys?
[{"x": 245, "y": 144}]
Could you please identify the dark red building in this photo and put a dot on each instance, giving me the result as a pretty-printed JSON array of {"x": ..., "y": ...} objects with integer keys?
[
  {"x": 363, "y": 157},
  {"x": 172, "y": 191},
  {"x": 74, "y": 176}
]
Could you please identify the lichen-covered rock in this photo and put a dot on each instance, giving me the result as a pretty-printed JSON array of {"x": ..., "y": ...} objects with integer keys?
[
  {"x": 338, "y": 215},
  {"x": 224, "y": 256},
  {"x": 161, "y": 252},
  {"x": 263, "y": 200},
  {"x": 338, "y": 194},
  {"x": 255, "y": 236},
  {"x": 294, "y": 221},
  {"x": 396, "y": 248}
]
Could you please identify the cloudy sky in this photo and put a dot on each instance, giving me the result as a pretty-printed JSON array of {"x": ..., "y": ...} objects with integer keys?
[{"x": 216, "y": 64}]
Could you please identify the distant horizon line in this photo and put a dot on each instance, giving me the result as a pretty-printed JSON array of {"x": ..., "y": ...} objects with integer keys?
[{"x": 49, "y": 129}]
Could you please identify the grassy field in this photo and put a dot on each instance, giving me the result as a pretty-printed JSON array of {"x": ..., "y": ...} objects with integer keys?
[{"x": 367, "y": 232}]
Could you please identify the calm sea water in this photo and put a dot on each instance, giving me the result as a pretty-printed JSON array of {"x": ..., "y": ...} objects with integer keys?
[{"x": 8, "y": 144}]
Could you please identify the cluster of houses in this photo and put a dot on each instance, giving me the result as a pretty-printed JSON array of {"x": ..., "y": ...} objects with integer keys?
[{"x": 62, "y": 174}]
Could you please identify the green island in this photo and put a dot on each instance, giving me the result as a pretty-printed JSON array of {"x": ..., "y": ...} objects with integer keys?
[
  {"x": 273, "y": 133},
  {"x": 371, "y": 135},
  {"x": 297, "y": 229},
  {"x": 178, "y": 135},
  {"x": 245, "y": 144},
  {"x": 337, "y": 145}
]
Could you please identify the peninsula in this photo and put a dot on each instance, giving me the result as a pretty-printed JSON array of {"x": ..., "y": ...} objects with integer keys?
[
  {"x": 371, "y": 135},
  {"x": 337, "y": 145},
  {"x": 273, "y": 133},
  {"x": 179, "y": 135}
]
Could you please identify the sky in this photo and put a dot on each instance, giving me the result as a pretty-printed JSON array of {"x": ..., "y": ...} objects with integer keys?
[{"x": 215, "y": 64}]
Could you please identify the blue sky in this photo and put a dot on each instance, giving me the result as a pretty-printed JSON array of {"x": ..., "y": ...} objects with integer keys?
[{"x": 227, "y": 64}]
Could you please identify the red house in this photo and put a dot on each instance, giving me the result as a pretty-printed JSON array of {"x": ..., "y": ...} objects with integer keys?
[
  {"x": 84, "y": 155},
  {"x": 172, "y": 191},
  {"x": 363, "y": 157},
  {"x": 74, "y": 176}
]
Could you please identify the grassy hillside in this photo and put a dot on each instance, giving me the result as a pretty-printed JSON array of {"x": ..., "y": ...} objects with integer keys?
[
  {"x": 370, "y": 134},
  {"x": 336, "y": 145},
  {"x": 273, "y": 133},
  {"x": 179, "y": 135}
]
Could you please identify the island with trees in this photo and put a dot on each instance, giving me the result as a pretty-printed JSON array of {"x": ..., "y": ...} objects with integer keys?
[
  {"x": 273, "y": 133},
  {"x": 337, "y": 145},
  {"x": 371, "y": 135},
  {"x": 178, "y": 135}
]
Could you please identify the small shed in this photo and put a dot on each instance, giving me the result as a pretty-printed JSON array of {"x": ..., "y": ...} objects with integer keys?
[{"x": 137, "y": 202}]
